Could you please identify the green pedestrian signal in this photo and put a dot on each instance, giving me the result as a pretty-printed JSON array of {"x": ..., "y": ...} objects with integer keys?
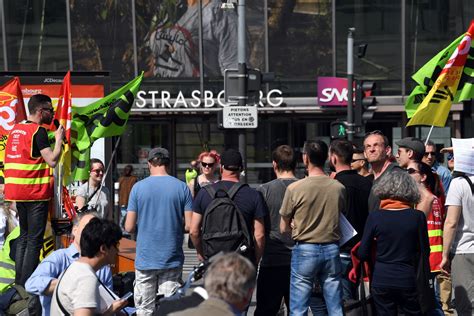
[
  {"x": 338, "y": 129},
  {"x": 342, "y": 130}
]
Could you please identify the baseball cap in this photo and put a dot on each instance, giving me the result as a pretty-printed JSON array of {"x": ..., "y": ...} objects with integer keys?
[
  {"x": 412, "y": 143},
  {"x": 158, "y": 152},
  {"x": 231, "y": 159}
]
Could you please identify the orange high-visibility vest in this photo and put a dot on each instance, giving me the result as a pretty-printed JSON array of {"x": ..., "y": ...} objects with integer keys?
[
  {"x": 27, "y": 178},
  {"x": 435, "y": 223}
]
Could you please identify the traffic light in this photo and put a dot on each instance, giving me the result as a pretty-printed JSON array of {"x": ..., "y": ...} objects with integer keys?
[
  {"x": 339, "y": 129},
  {"x": 365, "y": 103}
]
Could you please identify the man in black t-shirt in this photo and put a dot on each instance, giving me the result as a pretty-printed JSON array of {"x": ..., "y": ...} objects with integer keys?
[
  {"x": 356, "y": 210},
  {"x": 248, "y": 201},
  {"x": 28, "y": 156},
  {"x": 273, "y": 282}
]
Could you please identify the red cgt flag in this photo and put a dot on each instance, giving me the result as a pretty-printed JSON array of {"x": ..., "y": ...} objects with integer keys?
[
  {"x": 12, "y": 111},
  {"x": 62, "y": 116}
]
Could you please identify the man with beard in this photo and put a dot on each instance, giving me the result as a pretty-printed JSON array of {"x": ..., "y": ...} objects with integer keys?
[
  {"x": 28, "y": 159},
  {"x": 377, "y": 151}
]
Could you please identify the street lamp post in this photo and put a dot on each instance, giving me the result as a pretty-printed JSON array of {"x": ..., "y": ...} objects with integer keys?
[{"x": 350, "y": 80}]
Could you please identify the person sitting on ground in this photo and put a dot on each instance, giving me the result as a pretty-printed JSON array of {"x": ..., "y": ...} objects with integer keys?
[
  {"x": 44, "y": 279},
  {"x": 229, "y": 282},
  {"x": 77, "y": 290}
]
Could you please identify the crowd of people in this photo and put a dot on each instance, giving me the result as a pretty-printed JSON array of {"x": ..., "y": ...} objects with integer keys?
[
  {"x": 412, "y": 229},
  {"x": 405, "y": 219}
]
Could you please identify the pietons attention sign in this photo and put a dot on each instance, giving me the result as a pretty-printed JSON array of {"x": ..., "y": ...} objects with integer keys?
[{"x": 239, "y": 117}]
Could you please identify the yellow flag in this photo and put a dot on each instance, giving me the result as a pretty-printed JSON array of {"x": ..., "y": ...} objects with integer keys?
[{"x": 435, "y": 107}]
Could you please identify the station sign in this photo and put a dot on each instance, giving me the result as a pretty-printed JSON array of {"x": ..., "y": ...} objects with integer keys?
[
  {"x": 239, "y": 117},
  {"x": 332, "y": 91}
]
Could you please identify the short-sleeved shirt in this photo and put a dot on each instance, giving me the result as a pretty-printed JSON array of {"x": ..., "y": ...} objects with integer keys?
[
  {"x": 460, "y": 194},
  {"x": 160, "y": 203},
  {"x": 278, "y": 247},
  {"x": 40, "y": 141},
  {"x": 357, "y": 208},
  {"x": 314, "y": 204},
  {"x": 78, "y": 288},
  {"x": 248, "y": 200}
]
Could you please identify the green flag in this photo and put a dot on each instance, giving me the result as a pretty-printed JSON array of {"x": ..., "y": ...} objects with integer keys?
[
  {"x": 427, "y": 75},
  {"x": 104, "y": 118}
]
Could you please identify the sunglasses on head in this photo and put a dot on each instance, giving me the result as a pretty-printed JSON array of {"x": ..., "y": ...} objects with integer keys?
[
  {"x": 412, "y": 171},
  {"x": 207, "y": 165}
]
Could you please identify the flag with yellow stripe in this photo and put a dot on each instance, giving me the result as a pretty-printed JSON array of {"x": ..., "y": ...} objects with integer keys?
[{"x": 447, "y": 77}]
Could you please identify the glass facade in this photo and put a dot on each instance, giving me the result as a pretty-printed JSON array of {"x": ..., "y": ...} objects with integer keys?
[{"x": 298, "y": 40}]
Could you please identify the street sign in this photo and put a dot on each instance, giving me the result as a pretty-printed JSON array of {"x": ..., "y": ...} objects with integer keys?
[{"x": 239, "y": 117}]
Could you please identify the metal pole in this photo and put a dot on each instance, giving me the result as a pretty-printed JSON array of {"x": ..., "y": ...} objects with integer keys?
[
  {"x": 350, "y": 80},
  {"x": 242, "y": 67},
  {"x": 201, "y": 51},
  {"x": 69, "y": 36},
  {"x": 134, "y": 34},
  {"x": 4, "y": 36}
]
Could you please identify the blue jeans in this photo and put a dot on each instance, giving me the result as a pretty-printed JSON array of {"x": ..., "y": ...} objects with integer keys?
[
  {"x": 320, "y": 261},
  {"x": 349, "y": 289},
  {"x": 33, "y": 217}
]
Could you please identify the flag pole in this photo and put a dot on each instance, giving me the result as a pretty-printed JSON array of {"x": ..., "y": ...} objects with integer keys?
[{"x": 429, "y": 134}]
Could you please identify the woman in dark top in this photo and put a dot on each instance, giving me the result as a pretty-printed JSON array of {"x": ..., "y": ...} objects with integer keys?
[{"x": 395, "y": 231}]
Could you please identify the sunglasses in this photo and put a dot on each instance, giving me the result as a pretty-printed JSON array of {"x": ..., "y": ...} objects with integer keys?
[
  {"x": 207, "y": 165},
  {"x": 450, "y": 156},
  {"x": 412, "y": 171},
  {"x": 98, "y": 171},
  {"x": 354, "y": 160},
  {"x": 430, "y": 153}
]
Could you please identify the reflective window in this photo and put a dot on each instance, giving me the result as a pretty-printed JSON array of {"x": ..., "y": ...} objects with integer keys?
[
  {"x": 300, "y": 35},
  {"x": 377, "y": 24},
  {"x": 102, "y": 37},
  {"x": 36, "y": 35},
  {"x": 431, "y": 26}
]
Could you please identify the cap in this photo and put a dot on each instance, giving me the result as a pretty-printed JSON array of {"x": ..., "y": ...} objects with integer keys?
[
  {"x": 231, "y": 159},
  {"x": 412, "y": 143},
  {"x": 158, "y": 152}
]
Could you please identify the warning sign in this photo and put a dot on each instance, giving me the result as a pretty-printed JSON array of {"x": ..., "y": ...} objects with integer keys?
[{"x": 240, "y": 117}]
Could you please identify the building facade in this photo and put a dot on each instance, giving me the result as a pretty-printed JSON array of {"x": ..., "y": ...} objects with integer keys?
[{"x": 184, "y": 46}]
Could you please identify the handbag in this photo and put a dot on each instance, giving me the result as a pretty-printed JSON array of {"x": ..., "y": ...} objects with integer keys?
[{"x": 363, "y": 306}]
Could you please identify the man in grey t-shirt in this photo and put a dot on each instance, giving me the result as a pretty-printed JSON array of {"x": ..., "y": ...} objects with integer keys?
[{"x": 273, "y": 283}]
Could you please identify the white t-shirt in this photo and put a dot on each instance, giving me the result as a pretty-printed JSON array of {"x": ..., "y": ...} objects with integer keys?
[
  {"x": 99, "y": 200},
  {"x": 460, "y": 194},
  {"x": 78, "y": 288}
]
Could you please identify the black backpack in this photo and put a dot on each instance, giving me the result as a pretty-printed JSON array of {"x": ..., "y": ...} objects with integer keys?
[{"x": 224, "y": 227}]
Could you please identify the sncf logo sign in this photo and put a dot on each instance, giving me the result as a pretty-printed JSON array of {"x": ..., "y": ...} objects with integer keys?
[{"x": 332, "y": 91}]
